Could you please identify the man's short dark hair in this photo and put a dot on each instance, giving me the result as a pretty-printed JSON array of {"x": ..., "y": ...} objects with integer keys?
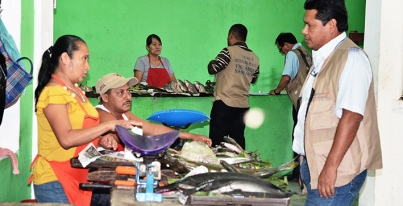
[
  {"x": 330, "y": 9},
  {"x": 108, "y": 92},
  {"x": 285, "y": 37},
  {"x": 239, "y": 31}
]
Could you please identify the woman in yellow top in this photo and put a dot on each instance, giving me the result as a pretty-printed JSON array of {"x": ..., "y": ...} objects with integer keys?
[{"x": 67, "y": 123}]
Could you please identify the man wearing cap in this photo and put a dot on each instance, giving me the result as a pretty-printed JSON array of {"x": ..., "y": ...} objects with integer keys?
[{"x": 115, "y": 103}]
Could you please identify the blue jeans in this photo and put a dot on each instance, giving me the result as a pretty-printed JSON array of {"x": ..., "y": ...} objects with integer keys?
[
  {"x": 343, "y": 195},
  {"x": 51, "y": 192}
]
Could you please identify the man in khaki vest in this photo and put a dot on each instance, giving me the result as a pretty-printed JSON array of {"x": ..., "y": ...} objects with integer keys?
[
  {"x": 337, "y": 128},
  {"x": 297, "y": 62},
  {"x": 235, "y": 68}
]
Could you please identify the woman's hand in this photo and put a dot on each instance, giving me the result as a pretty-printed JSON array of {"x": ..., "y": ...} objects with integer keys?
[
  {"x": 129, "y": 124},
  {"x": 107, "y": 141}
]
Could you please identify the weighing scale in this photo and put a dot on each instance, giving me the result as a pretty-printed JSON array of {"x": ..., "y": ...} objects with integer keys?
[
  {"x": 178, "y": 119},
  {"x": 148, "y": 147}
]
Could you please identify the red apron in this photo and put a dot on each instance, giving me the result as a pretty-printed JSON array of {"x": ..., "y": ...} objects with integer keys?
[
  {"x": 157, "y": 77},
  {"x": 70, "y": 177}
]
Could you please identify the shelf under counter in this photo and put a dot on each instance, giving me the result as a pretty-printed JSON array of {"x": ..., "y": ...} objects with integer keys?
[{"x": 161, "y": 94}]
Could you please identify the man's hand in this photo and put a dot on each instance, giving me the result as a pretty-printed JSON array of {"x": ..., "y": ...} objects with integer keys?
[
  {"x": 107, "y": 141},
  {"x": 204, "y": 139},
  {"x": 345, "y": 134},
  {"x": 273, "y": 92},
  {"x": 326, "y": 181}
]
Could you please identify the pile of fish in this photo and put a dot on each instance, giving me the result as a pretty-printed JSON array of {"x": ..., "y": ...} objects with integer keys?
[
  {"x": 180, "y": 87},
  {"x": 229, "y": 170},
  {"x": 231, "y": 183},
  {"x": 185, "y": 87},
  {"x": 186, "y": 162}
]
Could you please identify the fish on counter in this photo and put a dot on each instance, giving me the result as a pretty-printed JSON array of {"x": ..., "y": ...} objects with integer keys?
[
  {"x": 172, "y": 87},
  {"x": 255, "y": 168},
  {"x": 175, "y": 87},
  {"x": 168, "y": 88},
  {"x": 182, "y": 86},
  {"x": 229, "y": 167},
  {"x": 191, "y": 88},
  {"x": 200, "y": 87},
  {"x": 212, "y": 181}
]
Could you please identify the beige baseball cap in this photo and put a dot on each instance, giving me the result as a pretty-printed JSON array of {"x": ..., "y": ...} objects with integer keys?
[{"x": 112, "y": 81}]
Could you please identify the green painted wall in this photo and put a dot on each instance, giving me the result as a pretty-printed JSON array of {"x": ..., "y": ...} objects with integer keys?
[
  {"x": 193, "y": 32},
  {"x": 14, "y": 187}
]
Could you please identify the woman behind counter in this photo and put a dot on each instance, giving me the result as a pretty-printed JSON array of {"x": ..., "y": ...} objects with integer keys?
[
  {"x": 67, "y": 123},
  {"x": 152, "y": 68}
]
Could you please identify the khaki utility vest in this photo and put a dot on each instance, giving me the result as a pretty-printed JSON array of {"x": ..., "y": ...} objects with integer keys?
[
  {"x": 233, "y": 83},
  {"x": 321, "y": 124},
  {"x": 294, "y": 87}
]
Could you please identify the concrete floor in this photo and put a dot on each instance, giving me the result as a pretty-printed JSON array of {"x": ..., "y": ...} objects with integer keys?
[{"x": 299, "y": 198}]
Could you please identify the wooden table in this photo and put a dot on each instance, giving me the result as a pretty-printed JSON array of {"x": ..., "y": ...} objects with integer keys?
[{"x": 126, "y": 197}]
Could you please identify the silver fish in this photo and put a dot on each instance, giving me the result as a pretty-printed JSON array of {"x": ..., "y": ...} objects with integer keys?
[
  {"x": 229, "y": 167},
  {"x": 168, "y": 88},
  {"x": 182, "y": 86},
  {"x": 233, "y": 142},
  {"x": 192, "y": 89},
  {"x": 235, "y": 160},
  {"x": 249, "y": 187},
  {"x": 232, "y": 147},
  {"x": 200, "y": 87},
  {"x": 175, "y": 87},
  {"x": 243, "y": 194},
  {"x": 213, "y": 181}
]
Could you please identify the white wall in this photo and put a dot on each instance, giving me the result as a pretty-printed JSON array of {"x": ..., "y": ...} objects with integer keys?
[
  {"x": 10, "y": 127},
  {"x": 384, "y": 45},
  {"x": 43, "y": 39}
]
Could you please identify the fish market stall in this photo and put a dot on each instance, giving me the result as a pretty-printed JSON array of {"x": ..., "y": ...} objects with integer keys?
[{"x": 218, "y": 176}]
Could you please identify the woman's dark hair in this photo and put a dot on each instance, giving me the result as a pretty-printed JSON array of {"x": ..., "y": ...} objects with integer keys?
[
  {"x": 50, "y": 59},
  {"x": 149, "y": 39},
  {"x": 285, "y": 37},
  {"x": 330, "y": 9}
]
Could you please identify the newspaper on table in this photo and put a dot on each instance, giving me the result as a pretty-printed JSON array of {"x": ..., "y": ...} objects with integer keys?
[
  {"x": 91, "y": 153},
  {"x": 88, "y": 155}
]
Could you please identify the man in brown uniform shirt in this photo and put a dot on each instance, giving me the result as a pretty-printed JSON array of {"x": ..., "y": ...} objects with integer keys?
[{"x": 235, "y": 67}]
